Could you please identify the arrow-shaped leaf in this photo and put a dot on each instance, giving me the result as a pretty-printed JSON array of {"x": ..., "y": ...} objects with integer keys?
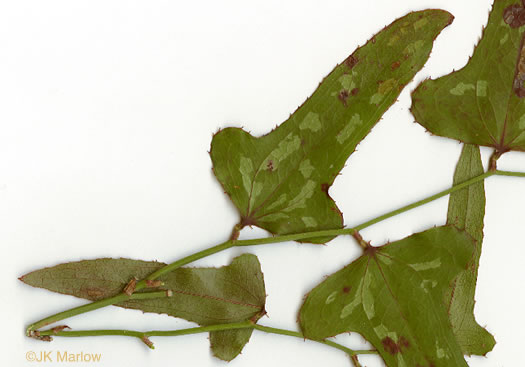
[
  {"x": 280, "y": 181},
  {"x": 394, "y": 296},
  {"x": 482, "y": 103},
  {"x": 466, "y": 210},
  {"x": 207, "y": 296}
]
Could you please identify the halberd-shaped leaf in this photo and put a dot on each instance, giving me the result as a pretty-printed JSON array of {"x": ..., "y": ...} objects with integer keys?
[
  {"x": 280, "y": 181},
  {"x": 207, "y": 296},
  {"x": 482, "y": 103},
  {"x": 466, "y": 210},
  {"x": 394, "y": 296}
]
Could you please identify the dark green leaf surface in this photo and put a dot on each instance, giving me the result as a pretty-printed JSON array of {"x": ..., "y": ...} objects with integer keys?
[
  {"x": 466, "y": 210},
  {"x": 207, "y": 296},
  {"x": 482, "y": 103},
  {"x": 394, "y": 296},
  {"x": 280, "y": 181}
]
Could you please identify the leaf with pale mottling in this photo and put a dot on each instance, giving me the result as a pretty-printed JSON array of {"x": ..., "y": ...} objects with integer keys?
[
  {"x": 280, "y": 181},
  {"x": 466, "y": 210},
  {"x": 394, "y": 296},
  {"x": 483, "y": 102},
  {"x": 207, "y": 296}
]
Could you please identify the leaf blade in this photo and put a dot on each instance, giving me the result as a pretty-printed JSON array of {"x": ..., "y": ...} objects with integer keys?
[
  {"x": 482, "y": 106},
  {"x": 393, "y": 296},
  {"x": 207, "y": 296},
  {"x": 466, "y": 211},
  {"x": 280, "y": 181}
]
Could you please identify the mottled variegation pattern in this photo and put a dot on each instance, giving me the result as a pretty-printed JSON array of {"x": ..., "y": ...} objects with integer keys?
[
  {"x": 478, "y": 104},
  {"x": 280, "y": 181},
  {"x": 394, "y": 296}
]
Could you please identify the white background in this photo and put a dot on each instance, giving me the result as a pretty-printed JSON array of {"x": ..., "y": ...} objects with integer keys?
[{"x": 107, "y": 110}]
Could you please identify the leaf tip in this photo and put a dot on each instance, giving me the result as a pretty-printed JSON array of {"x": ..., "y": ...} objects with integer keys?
[{"x": 451, "y": 18}]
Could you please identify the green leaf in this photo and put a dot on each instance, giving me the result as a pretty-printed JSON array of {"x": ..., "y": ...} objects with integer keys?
[
  {"x": 280, "y": 181},
  {"x": 482, "y": 103},
  {"x": 207, "y": 296},
  {"x": 394, "y": 296},
  {"x": 466, "y": 210}
]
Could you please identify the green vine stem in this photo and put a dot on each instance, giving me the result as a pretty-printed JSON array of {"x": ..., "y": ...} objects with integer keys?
[
  {"x": 104, "y": 302},
  {"x": 144, "y": 336},
  {"x": 259, "y": 241}
]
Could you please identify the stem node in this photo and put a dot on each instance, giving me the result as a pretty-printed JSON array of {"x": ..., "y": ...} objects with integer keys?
[
  {"x": 364, "y": 245},
  {"x": 148, "y": 342},
  {"x": 129, "y": 289},
  {"x": 493, "y": 162}
]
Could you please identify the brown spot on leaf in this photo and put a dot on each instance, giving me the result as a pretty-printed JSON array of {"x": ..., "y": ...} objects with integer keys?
[
  {"x": 390, "y": 345},
  {"x": 325, "y": 187},
  {"x": 94, "y": 293},
  {"x": 395, "y": 65},
  {"x": 346, "y": 289},
  {"x": 514, "y": 15},
  {"x": 403, "y": 343},
  {"x": 351, "y": 61},
  {"x": 343, "y": 96},
  {"x": 393, "y": 348},
  {"x": 354, "y": 91},
  {"x": 269, "y": 166}
]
